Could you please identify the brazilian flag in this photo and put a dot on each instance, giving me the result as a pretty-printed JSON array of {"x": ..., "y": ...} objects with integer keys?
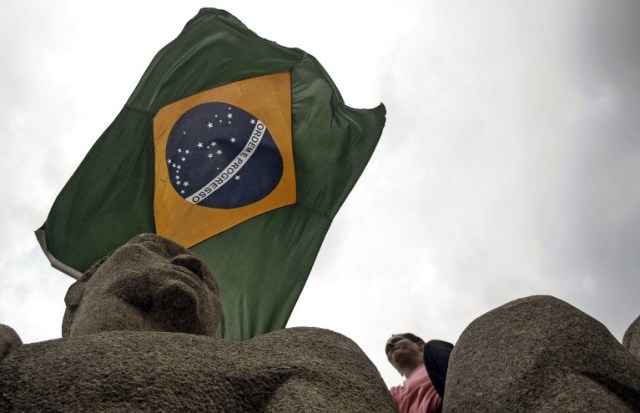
[{"x": 235, "y": 147}]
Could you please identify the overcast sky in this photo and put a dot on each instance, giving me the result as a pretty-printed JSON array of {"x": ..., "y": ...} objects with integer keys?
[{"x": 508, "y": 167}]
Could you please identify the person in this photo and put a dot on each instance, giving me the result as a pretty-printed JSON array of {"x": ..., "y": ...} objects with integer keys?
[{"x": 424, "y": 365}]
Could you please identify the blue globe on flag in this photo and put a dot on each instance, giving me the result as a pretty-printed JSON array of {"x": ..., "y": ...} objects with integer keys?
[{"x": 221, "y": 156}]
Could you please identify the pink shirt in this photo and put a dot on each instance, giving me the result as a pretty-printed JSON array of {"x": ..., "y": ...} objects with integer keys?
[{"x": 417, "y": 394}]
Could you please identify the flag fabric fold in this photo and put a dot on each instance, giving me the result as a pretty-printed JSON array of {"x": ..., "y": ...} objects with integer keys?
[{"x": 238, "y": 148}]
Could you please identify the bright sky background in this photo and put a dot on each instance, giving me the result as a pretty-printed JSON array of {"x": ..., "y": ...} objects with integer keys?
[{"x": 509, "y": 165}]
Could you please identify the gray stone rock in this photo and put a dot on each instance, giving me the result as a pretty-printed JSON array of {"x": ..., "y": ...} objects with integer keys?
[
  {"x": 631, "y": 339},
  {"x": 138, "y": 336},
  {"x": 291, "y": 370},
  {"x": 540, "y": 354},
  {"x": 149, "y": 284},
  {"x": 9, "y": 340}
]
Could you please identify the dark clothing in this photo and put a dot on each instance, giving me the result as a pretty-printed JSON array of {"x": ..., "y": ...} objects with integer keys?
[{"x": 436, "y": 360}]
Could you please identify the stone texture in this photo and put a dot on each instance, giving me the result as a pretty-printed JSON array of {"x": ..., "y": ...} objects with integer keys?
[
  {"x": 148, "y": 284},
  {"x": 291, "y": 370},
  {"x": 540, "y": 354},
  {"x": 138, "y": 336},
  {"x": 9, "y": 340},
  {"x": 631, "y": 339}
]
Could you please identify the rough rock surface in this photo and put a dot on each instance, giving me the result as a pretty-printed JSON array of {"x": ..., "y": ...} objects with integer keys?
[
  {"x": 291, "y": 370},
  {"x": 540, "y": 354},
  {"x": 138, "y": 336},
  {"x": 148, "y": 284},
  {"x": 9, "y": 339},
  {"x": 631, "y": 339}
]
